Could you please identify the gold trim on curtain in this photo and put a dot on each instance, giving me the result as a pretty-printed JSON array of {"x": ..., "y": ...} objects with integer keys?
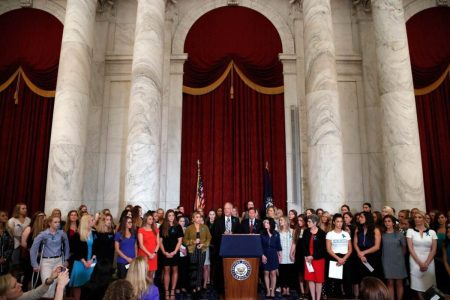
[
  {"x": 434, "y": 85},
  {"x": 34, "y": 88},
  {"x": 207, "y": 89}
]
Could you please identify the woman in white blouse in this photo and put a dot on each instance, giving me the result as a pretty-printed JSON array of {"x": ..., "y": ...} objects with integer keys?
[{"x": 286, "y": 268}]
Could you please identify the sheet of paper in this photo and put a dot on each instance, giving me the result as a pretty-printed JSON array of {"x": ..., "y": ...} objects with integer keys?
[
  {"x": 309, "y": 266},
  {"x": 368, "y": 266},
  {"x": 335, "y": 271}
]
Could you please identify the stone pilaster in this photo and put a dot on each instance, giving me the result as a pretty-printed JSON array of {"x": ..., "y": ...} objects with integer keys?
[
  {"x": 403, "y": 164},
  {"x": 142, "y": 179},
  {"x": 69, "y": 128},
  {"x": 325, "y": 153}
]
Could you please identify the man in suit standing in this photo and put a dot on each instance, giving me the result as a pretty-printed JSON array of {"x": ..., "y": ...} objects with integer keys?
[
  {"x": 251, "y": 225},
  {"x": 226, "y": 224}
]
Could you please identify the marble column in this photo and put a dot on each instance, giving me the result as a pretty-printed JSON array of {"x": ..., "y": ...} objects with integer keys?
[
  {"x": 403, "y": 164},
  {"x": 70, "y": 115},
  {"x": 325, "y": 153},
  {"x": 143, "y": 158}
]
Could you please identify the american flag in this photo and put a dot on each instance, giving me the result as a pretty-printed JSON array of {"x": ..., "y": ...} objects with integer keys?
[{"x": 200, "y": 197}]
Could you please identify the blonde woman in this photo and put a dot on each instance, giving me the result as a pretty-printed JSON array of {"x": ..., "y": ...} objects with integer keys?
[
  {"x": 83, "y": 254},
  {"x": 143, "y": 288},
  {"x": 422, "y": 244},
  {"x": 104, "y": 244},
  {"x": 325, "y": 221},
  {"x": 197, "y": 238},
  {"x": 286, "y": 267},
  {"x": 387, "y": 211}
]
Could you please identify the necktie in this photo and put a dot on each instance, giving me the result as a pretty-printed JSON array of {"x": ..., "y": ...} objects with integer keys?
[
  {"x": 228, "y": 225},
  {"x": 251, "y": 226}
]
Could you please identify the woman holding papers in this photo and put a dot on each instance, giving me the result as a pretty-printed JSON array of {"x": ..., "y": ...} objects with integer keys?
[
  {"x": 393, "y": 257},
  {"x": 339, "y": 247},
  {"x": 422, "y": 244},
  {"x": 314, "y": 247},
  {"x": 367, "y": 245}
]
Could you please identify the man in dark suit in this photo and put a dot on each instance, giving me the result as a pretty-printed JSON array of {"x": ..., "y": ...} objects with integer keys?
[
  {"x": 227, "y": 224},
  {"x": 251, "y": 225}
]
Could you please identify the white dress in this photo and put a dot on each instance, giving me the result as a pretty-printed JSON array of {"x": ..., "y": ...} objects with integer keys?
[{"x": 421, "y": 281}]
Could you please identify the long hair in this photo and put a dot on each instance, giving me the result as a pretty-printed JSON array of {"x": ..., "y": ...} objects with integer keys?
[
  {"x": 123, "y": 227},
  {"x": 394, "y": 222},
  {"x": 67, "y": 225},
  {"x": 298, "y": 229},
  {"x": 135, "y": 215},
  {"x": 101, "y": 224},
  {"x": 369, "y": 224},
  {"x": 336, "y": 216},
  {"x": 165, "y": 226},
  {"x": 137, "y": 276},
  {"x": 372, "y": 288},
  {"x": 16, "y": 211},
  {"x": 84, "y": 229},
  {"x": 38, "y": 223},
  {"x": 272, "y": 226},
  {"x": 146, "y": 216},
  {"x": 286, "y": 226},
  {"x": 425, "y": 223}
]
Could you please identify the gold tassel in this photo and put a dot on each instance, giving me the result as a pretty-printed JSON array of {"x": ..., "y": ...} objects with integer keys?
[
  {"x": 16, "y": 93},
  {"x": 232, "y": 88}
]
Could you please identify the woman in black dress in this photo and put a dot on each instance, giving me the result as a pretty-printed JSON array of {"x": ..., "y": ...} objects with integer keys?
[
  {"x": 299, "y": 254},
  {"x": 170, "y": 241},
  {"x": 104, "y": 244}
]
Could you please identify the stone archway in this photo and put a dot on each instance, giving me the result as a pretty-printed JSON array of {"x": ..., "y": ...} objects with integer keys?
[{"x": 52, "y": 7}]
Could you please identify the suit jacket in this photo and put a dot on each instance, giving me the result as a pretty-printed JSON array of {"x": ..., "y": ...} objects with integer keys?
[
  {"x": 319, "y": 243},
  {"x": 219, "y": 229},
  {"x": 245, "y": 226}
]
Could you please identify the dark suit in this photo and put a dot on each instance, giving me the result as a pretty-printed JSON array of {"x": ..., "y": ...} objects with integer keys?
[
  {"x": 219, "y": 229},
  {"x": 245, "y": 226}
]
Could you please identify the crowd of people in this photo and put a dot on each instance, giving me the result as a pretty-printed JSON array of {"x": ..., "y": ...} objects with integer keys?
[{"x": 156, "y": 254}]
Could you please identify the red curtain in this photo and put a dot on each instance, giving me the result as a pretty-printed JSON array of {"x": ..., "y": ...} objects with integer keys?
[
  {"x": 233, "y": 138},
  {"x": 30, "y": 39},
  {"x": 429, "y": 45}
]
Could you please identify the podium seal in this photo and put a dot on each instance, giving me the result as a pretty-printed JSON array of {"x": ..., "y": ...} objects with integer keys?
[{"x": 241, "y": 269}]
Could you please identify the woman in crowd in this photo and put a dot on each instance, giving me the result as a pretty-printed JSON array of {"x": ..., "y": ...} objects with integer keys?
[
  {"x": 422, "y": 244},
  {"x": 138, "y": 276},
  {"x": 6, "y": 244},
  {"x": 442, "y": 277},
  {"x": 197, "y": 238},
  {"x": 271, "y": 246},
  {"x": 446, "y": 252},
  {"x": 54, "y": 247},
  {"x": 299, "y": 254},
  {"x": 125, "y": 245},
  {"x": 286, "y": 267},
  {"x": 292, "y": 218},
  {"x": 136, "y": 213},
  {"x": 219, "y": 213},
  {"x": 57, "y": 213},
  {"x": 70, "y": 228},
  {"x": 170, "y": 241},
  {"x": 83, "y": 254},
  {"x": 125, "y": 213},
  {"x": 16, "y": 225},
  {"x": 339, "y": 248},
  {"x": 377, "y": 219},
  {"x": 350, "y": 227},
  {"x": 207, "y": 267},
  {"x": 11, "y": 289},
  {"x": 373, "y": 288},
  {"x": 393, "y": 256},
  {"x": 310, "y": 211},
  {"x": 345, "y": 208},
  {"x": 250, "y": 204},
  {"x": 314, "y": 248},
  {"x": 387, "y": 210},
  {"x": 104, "y": 243},
  {"x": 183, "y": 263},
  {"x": 101, "y": 277},
  {"x": 325, "y": 221},
  {"x": 367, "y": 244},
  {"x": 37, "y": 225},
  {"x": 319, "y": 212},
  {"x": 148, "y": 240}
]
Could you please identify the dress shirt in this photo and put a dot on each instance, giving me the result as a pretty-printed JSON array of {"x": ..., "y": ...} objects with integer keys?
[{"x": 52, "y": 246}]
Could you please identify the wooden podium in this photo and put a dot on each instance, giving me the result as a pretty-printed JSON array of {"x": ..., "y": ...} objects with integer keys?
[{"x": 241, "y": 254}]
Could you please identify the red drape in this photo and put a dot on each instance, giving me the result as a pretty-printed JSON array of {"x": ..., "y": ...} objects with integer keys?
[
  {"x": 233, "y": 137},
  {"x": 429, "y": 45},
  {"x": 30, "y": 39}
]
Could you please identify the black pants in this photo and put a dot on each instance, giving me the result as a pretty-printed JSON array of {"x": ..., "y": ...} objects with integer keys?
[
  {"x": 287, "y": 276},
  {"x": 121, "y": 270},
  {"x": 334, "y": 285}
]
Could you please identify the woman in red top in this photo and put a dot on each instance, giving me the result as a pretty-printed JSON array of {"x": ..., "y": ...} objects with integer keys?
[{"x": 148, "y": 237}]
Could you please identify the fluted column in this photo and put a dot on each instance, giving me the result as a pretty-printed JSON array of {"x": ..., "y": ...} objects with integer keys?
[
  {"x": 325, "y": 153},
  {"x": 69, "y": 127},
  {"x": 144, "y": 118},
  {"x": 403, "y": 164}
]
